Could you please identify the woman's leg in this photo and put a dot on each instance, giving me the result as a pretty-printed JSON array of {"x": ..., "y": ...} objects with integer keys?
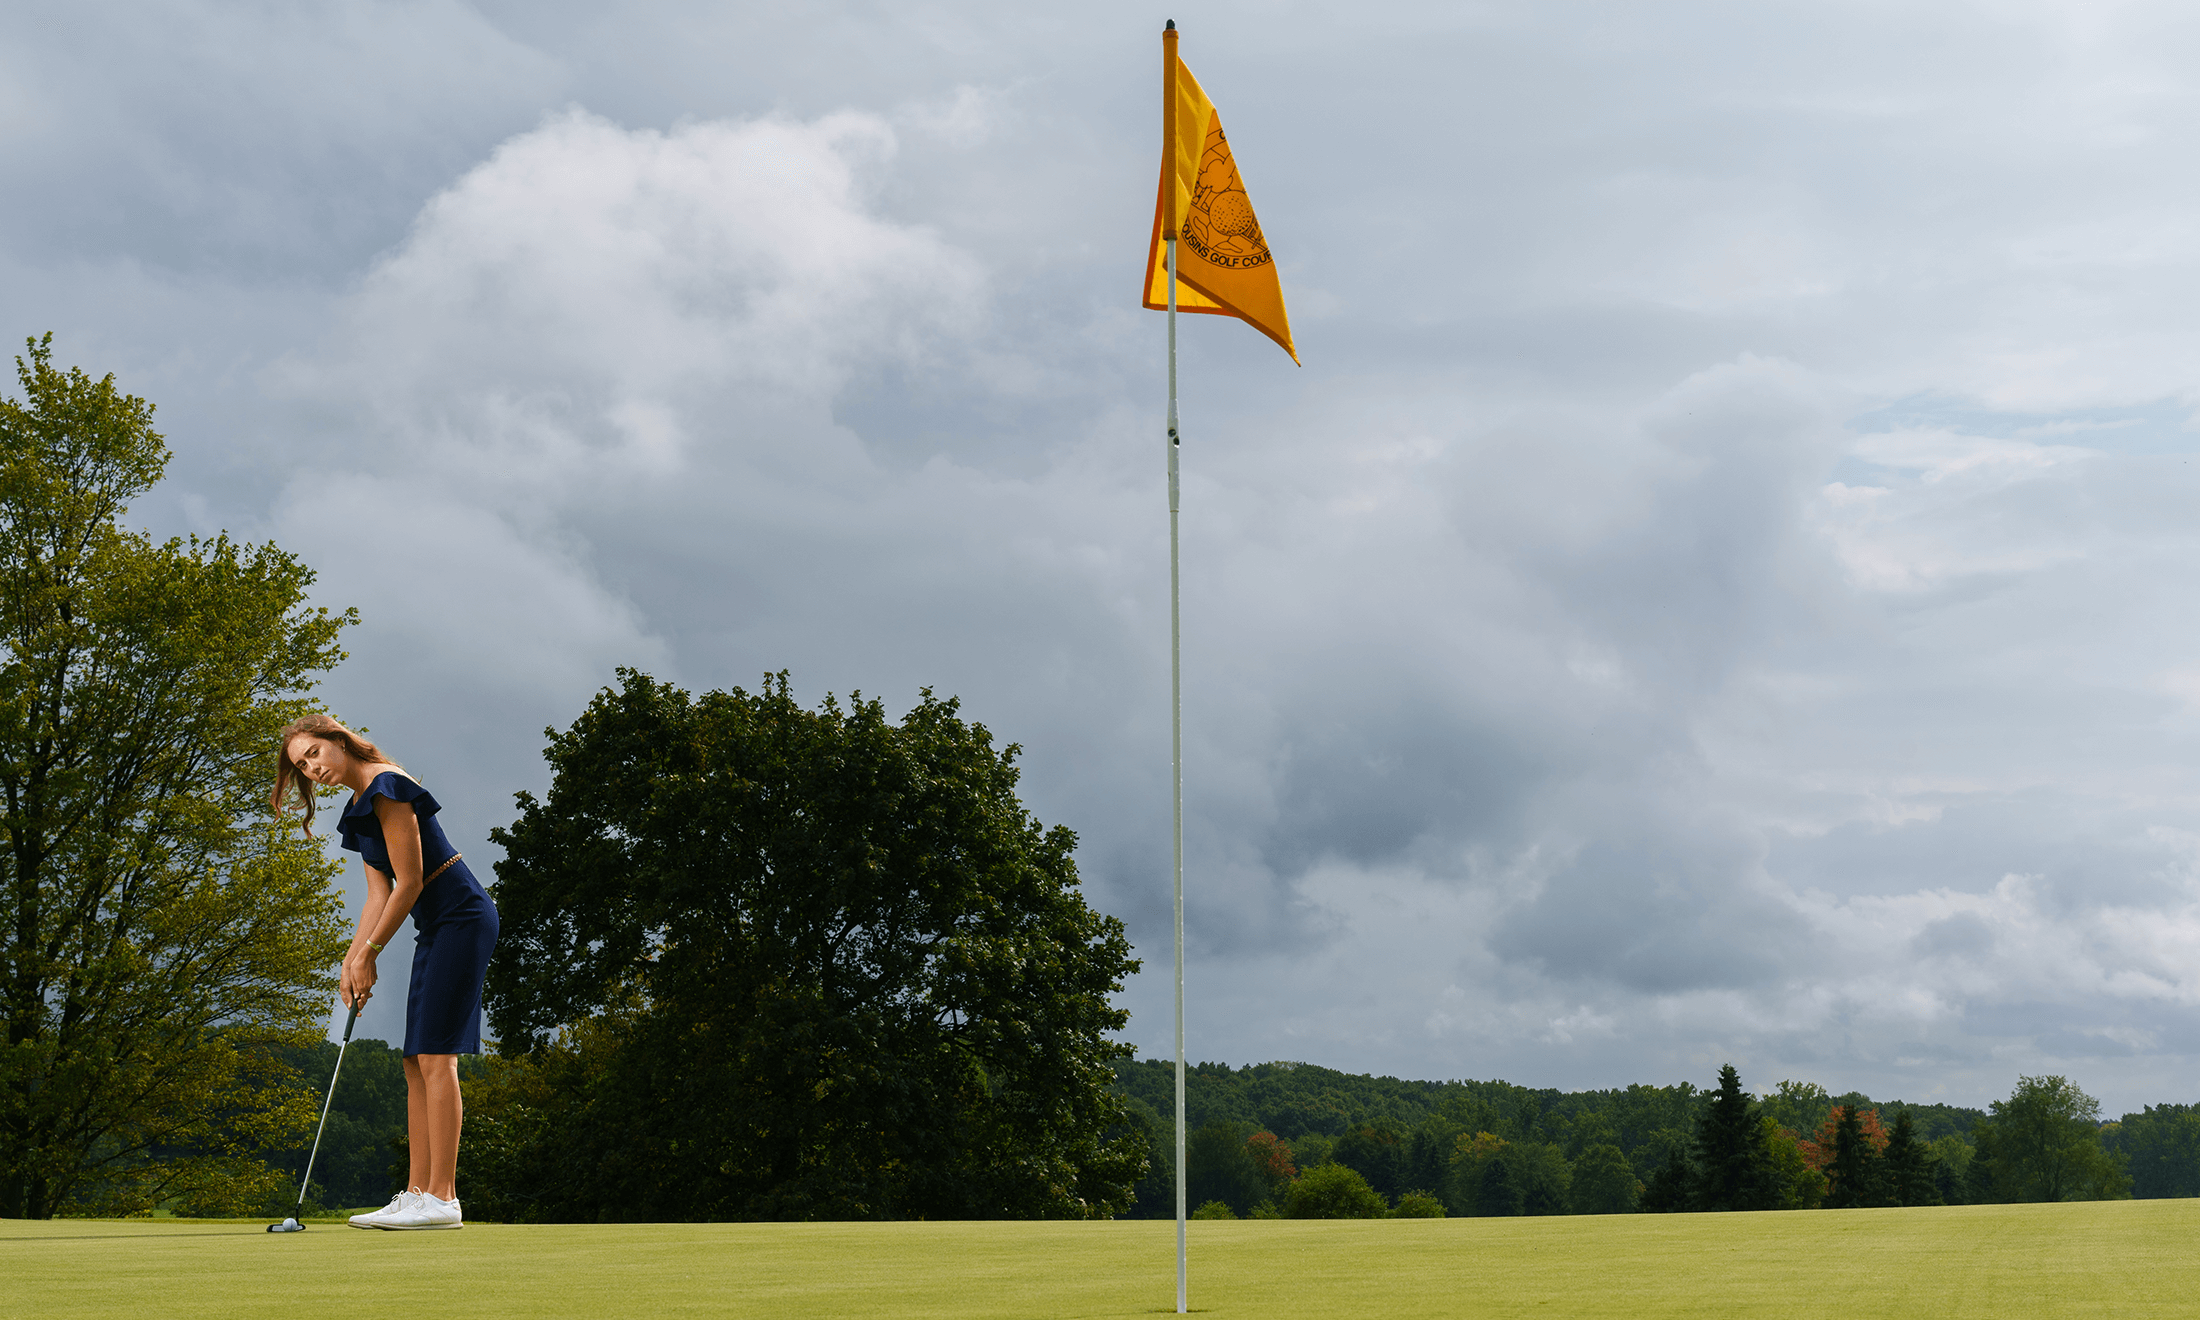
[
  {"x": 418, "y": 1141},
  {"x": 442, "y": 1111}
]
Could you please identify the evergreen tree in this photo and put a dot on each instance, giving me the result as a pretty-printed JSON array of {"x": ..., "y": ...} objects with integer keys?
[
  {"x": 1909, "y": 1166},
  {"x": 1734, "y": 1166},
  {"x": 1855, "y": 1177}
]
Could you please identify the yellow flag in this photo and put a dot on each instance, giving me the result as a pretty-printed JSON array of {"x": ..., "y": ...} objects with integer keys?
[{"x": 1223, "y": 266}]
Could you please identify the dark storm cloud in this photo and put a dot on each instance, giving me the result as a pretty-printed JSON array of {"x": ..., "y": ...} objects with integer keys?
[{"x": 1704, "y": 598}]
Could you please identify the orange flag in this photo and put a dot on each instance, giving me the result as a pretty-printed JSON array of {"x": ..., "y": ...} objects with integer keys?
[{"x": 1223, "y": 266}]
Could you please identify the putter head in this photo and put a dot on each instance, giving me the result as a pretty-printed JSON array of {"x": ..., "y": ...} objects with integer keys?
[{"x": 287, "y": 1226}]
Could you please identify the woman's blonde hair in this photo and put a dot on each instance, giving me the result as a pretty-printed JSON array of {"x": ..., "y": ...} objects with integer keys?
[{"x": 290, "y": 776}]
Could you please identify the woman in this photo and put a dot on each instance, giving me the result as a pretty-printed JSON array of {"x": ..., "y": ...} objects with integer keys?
[{"x": 390, "y": 822}]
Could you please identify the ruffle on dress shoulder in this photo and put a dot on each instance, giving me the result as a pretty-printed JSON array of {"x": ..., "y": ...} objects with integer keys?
[{"x": 359, "y": 817}]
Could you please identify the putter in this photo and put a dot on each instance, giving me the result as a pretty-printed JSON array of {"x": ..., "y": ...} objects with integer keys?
[{"x": 291, "y": 1225}]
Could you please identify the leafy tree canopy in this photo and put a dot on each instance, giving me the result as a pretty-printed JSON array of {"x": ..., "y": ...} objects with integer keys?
[
  {"x": 2162, "y": 1146},
  {"x": 1332, "y": 1191},
  {"x": 2046, "y": 1146},
  {"x": 160, "y": 942},
  {"x": 782, "y": 963}
]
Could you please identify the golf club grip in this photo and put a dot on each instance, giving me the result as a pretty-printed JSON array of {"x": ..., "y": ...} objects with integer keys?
[{"x": 353, "y": 1021}]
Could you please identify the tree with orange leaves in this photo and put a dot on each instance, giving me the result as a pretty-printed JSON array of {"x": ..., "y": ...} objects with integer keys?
[
  {"x": 1273, "y": 1159},
  {"x": 1848, "y": 1151}
]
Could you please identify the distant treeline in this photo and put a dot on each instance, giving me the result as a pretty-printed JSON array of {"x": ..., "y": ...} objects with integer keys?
[
  {"x": 1483, "y": 1148},
  {"x": 1493, "y": 1148}
]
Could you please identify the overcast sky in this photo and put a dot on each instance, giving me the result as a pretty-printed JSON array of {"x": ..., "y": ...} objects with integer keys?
[{"x": 1721, "y": 588}]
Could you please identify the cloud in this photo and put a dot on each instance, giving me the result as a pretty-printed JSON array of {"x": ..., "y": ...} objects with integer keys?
[{"x": 1718, "y": 590}]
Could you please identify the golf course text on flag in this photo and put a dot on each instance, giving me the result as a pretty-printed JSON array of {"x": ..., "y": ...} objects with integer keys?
[{"x": 1223, "y": 266}]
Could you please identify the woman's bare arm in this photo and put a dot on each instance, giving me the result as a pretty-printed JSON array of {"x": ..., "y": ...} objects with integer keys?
[
  {"x": 389, "y": 898},
  {"x": 401, "y": 835},
  {"x": 370, "y": 912}
]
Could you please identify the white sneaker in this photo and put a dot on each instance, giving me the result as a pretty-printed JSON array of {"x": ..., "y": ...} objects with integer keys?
[
  {"x": 427, "y": 1211},
  {"x": 373, "y": 1218}
]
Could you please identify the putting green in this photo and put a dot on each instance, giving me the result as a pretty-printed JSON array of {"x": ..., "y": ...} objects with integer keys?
[{"x": 2112, "y": 1259}]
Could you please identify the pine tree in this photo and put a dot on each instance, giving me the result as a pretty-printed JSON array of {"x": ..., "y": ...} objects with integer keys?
[
  {"x": 1909, "y": 1164},
  {"x": 1857, "y": 1175},
  {"x": 1734, "y": 1165}
]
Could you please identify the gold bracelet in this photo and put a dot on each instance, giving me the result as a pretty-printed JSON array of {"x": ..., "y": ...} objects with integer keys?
[{"x": 376, "y": 947}]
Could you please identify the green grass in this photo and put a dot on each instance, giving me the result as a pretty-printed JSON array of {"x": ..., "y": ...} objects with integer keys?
[{"x": 2112, "y": 1259}]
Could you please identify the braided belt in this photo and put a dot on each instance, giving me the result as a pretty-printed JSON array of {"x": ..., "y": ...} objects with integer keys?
[{"x": 441, "y": 869}]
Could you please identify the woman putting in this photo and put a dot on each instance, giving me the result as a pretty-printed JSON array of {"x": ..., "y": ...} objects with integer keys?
[{"x": 390, "y": 822}]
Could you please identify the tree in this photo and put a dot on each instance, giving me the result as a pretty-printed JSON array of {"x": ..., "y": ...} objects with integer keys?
[
  {"x": 1855, "y": 1175},
  {"x": 2047, "y": 1146},
  {"x": 1734, "y": 1168},
  {"x": 1380, "y": 1153},
  {"x": 1497, "y": 1193},
  {"x": 1219, "y": 1166},
  {"x": 2162, "y": 1145},
  {"x": 366, "y": 1127},
  {"x": 160, "y": 941},
  {"x": 1154, "y": 1197},
  {"x": 1470, "y": 1161},
  {"x": 1603, "y": 1182},
  {"x": 1949, "y": 1157},
  {"x": 1800, "y": 1186},
  {"x": 1332, "y": 1191},
  {"x": 843, "y": 972},
  {"x": 1272, "y": 1158},
  {"x": 1428, "y": 1154},
  {"x": 1911, "y": 1177},
  {"x": 1799, "y": 1106},
  {"x": 1669, "y": 1189},
  {"x": 1982, "y": 1182}
]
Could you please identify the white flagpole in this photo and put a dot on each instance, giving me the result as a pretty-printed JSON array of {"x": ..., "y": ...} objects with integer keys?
[{"x": 1176, "y": 781}]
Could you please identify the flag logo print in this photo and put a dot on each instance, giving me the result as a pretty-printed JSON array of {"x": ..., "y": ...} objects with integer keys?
[
  {"x": 1223, "y": 264},
  {"x": 1221, "y": 228}
]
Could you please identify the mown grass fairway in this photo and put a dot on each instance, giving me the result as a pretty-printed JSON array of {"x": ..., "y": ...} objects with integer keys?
[{"x": 2111, "y": 1259}]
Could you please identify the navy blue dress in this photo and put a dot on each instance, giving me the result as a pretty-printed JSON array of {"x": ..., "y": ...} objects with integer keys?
[{"x": 454, "y": 922}]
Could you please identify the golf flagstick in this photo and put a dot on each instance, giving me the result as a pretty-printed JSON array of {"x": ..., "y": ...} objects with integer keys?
[{"x": 291, "y": 1225}]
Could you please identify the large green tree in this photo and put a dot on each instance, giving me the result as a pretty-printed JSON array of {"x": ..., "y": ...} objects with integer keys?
[
  {"x": 1603, "y": 1184},
  {"x": 2044, "y": 1144},
  {"x": 849, "y": 975},
  {"x": 160, "y": 941}
]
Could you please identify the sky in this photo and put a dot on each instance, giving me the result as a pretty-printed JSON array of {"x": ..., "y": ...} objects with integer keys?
[{"x": 1721, "y": 588}]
